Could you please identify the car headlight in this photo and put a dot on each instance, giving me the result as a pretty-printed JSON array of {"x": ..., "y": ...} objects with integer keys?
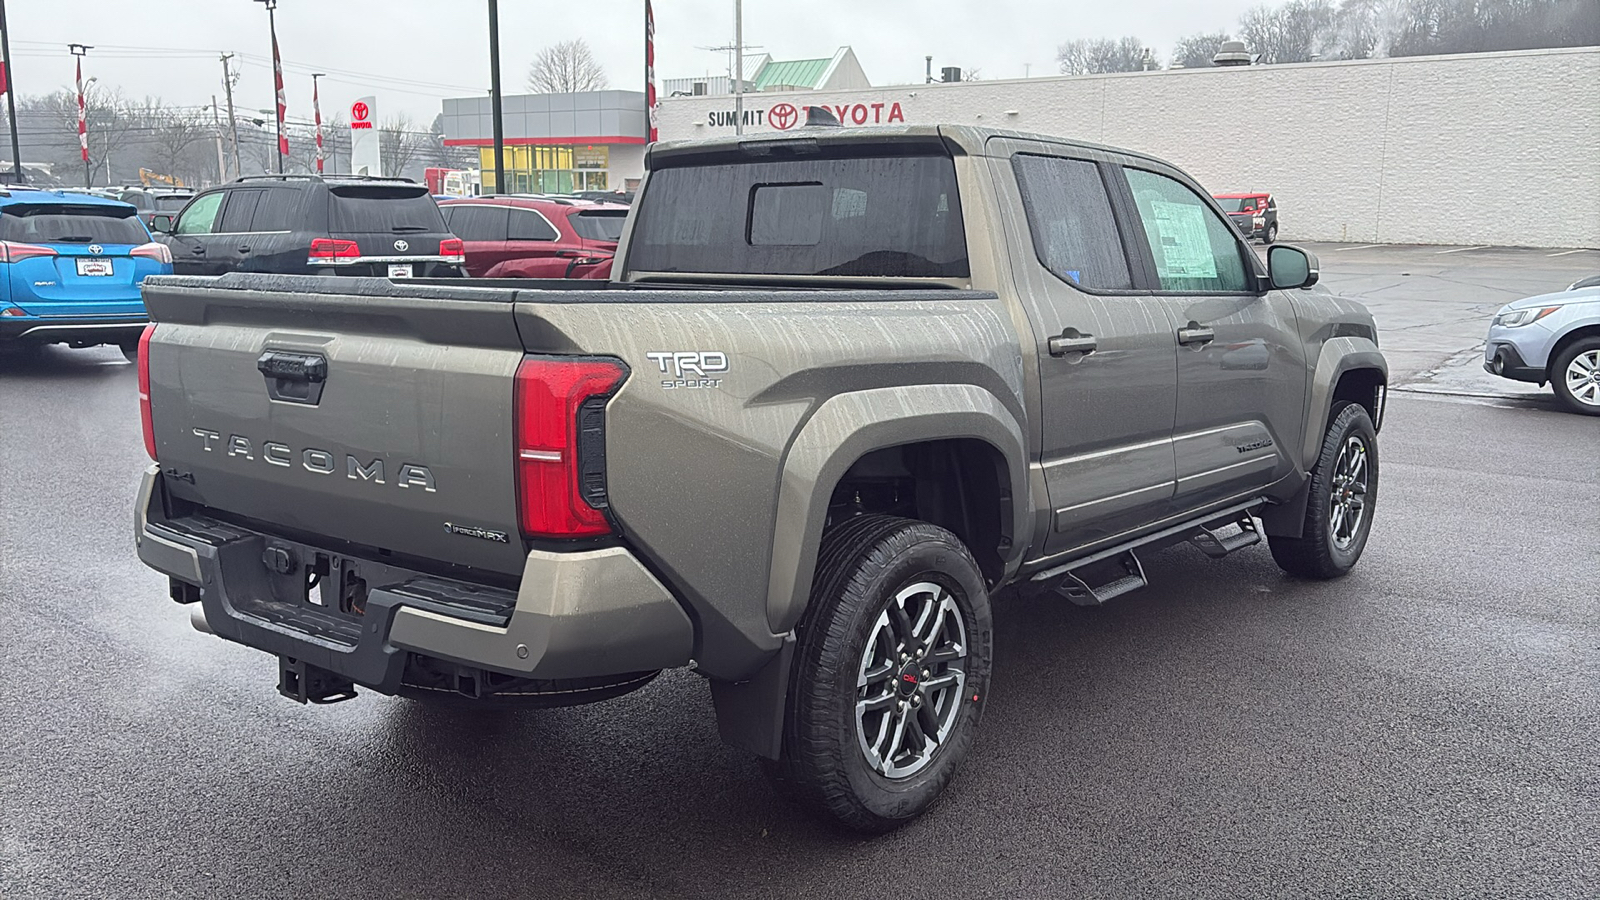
[{"x": 1517, "y": 318}]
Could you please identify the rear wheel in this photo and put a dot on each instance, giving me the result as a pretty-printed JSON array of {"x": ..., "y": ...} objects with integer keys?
[
  {"x": 1343, "y": 490},
  {"x": 130, "y": 351},
  {"x": 1576, "y": 376},
  {"x": 890, "y": 672},
  {"x": 1272, "y": 233}
]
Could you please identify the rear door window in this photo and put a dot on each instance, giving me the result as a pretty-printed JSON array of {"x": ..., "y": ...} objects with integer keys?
[
  {"x": 478, "y": 223},
  {"x": 63, "y": 224},
  {"x": 1069, "y": 213},
  {"x": 239, "y": 212},
  {"x": 528, "y": 225},
  {"x": 200, "y": 217},
  {"x": 383, "y": 209},
  {"x": 276, "y": 210},
  {"x": 1193, "y": 248},
  {"x": 827, "y": 214}
]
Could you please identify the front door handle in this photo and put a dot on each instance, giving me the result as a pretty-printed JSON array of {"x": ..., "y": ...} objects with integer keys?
[
  {"x": 197, "y": 250},
  {"x": 1195, "y": 335},
  {"x": 1071, "y": 341},
  {"x": 244, "y": 249}
]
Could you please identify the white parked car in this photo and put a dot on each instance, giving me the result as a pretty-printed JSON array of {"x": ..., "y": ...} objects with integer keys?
[{"x": 1551, "y": 339}]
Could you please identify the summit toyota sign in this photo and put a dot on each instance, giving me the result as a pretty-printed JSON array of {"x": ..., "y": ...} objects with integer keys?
[{"x": 784, "y": 116}]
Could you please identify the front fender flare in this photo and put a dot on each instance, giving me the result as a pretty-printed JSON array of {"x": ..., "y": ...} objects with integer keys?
[
  {"x": 847, "y": 427},
  {"x": 1338, "y": 356}
]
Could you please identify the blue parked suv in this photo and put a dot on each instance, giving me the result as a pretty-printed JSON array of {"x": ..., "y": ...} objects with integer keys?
[{"x": 70, "y": 269}]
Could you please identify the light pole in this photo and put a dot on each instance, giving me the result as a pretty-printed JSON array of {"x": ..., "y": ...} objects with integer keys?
[
  {"x": 11, "y": 94},
  {"x": 80, "y": 51},
  {"x": 496, "y": 107},
  {"x": 277, "y": 73}
]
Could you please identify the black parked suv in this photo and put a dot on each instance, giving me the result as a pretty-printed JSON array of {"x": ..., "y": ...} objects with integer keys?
[{"x": 309, "y": 224}]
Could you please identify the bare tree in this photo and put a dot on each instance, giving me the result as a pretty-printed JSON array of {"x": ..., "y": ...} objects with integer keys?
[
  {"x": 1096, "y": 56},
  {"x": 171, "y": 136},
  {"x": 565, "y": 68},
  {"x": 1297, "y": 31},
  {"x": 1196, "y": 50},
  {"x": 399, "y": 144}
]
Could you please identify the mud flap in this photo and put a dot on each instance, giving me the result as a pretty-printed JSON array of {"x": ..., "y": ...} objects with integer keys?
[{"x": 750, "y": 713}]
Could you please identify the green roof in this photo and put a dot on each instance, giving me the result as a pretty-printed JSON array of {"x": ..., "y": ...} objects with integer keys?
[{"x": 797, "y": 72}]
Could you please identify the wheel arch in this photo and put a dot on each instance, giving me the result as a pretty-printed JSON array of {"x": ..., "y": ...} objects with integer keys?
[
  {"x": 963, "y": 426},
  {"x": 1565, "y": 341},
  {"x": 1349, "y": 368}
]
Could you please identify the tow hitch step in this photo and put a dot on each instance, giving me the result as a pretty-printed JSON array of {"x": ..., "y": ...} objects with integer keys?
[
  {"x": 1215, "y": 544},
  {"x": 1126, "y": 575},
  {"x": 304, "y": 683}
]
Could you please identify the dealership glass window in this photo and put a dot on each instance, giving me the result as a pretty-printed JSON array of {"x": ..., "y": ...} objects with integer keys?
[
  {"x": 1074, "y": 232},
  {"x": 552, "y": 169},
  {"x": 1193, "y": 248}
]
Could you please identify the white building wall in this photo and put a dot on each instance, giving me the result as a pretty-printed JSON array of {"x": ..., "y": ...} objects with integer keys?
[
  {"x": 1499, "y": 148},
  {"x": 627, "y": 161}
]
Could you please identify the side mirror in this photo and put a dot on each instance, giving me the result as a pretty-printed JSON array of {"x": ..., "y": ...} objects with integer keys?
[
  {"x": 1290, "y": 267},
  {"x": 161, "y": 223}
]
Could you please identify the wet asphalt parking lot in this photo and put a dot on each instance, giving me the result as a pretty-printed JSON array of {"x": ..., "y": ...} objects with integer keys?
[{"x": 1426, "y": 727}]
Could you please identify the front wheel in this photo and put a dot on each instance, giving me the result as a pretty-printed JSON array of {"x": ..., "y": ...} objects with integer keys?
[
  {"x": 1343, "y": 492},
  {"x": 1577, "y": 376},
  {"x": 891, "y": 669}
]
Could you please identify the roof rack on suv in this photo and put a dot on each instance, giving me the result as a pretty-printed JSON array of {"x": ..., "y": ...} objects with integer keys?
[{"x": 307, "y": 176}]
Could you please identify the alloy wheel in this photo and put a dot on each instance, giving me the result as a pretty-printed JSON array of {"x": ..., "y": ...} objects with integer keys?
[
  {"x": 1347, "y": 508},
  {"x": 1583, "y": 378},
  {"x": 911, "y": 679}
]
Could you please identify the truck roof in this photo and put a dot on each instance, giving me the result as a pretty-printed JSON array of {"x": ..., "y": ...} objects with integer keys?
[{"x": 966, "y": 139}]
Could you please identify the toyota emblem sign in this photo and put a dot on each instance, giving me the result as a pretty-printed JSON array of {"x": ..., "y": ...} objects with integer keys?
[
  {"x": 401, "y": 246},
  {"x": 360, "y": 115}
]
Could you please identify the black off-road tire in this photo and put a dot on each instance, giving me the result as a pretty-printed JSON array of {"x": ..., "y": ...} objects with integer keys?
[
  {"x": 862, "y": 565},
  {"x": 1271, "y": 235},
  {"x": 1558, "y": 375},
  {"x": 1316, "y": 554},
  {"x": 130, "y": 351}
]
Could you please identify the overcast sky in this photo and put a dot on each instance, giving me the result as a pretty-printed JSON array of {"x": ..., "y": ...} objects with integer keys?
[{"x": 412, "y": 53}]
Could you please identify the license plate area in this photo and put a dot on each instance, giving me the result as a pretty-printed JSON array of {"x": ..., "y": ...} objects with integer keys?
[
  {"x": 400, "y": 270},
  {"x": 89, "y": 267}
]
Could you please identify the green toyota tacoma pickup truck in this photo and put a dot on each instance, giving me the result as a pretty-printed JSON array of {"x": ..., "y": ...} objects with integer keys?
[{"x": 844, "y": 387}]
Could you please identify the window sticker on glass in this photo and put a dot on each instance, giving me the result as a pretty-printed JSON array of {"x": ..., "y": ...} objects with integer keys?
[{"x": 1185, "y": 247}]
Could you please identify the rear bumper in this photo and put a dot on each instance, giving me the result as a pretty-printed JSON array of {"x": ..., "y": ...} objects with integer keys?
[
  {"x": 575, "y": 615},
  {"x": 72, "y": 330}
]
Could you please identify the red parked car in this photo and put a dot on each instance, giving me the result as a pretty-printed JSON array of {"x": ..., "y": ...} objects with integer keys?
[{"x": 519, "y": 236}]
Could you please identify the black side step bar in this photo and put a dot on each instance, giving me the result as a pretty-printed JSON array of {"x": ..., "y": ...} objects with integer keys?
[{"x": 1115, "y": 571}]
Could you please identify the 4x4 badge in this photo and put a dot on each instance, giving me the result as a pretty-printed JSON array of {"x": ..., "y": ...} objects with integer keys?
[{"x": 402, "y": 246}]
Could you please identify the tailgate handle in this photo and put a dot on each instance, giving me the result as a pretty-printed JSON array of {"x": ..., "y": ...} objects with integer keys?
[{"x": 294, "y": 377}]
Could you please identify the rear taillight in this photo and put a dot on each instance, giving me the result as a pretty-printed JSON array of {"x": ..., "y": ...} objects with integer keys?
[
  {"x": 11, "y": 251},
  {"x": 332, "y": 249},
  {"x": 560, "y": 444},
  {"x": 158, "y": 252},
  {"x": 144, "y": 391},
  {"x": 453, "y": 250}
]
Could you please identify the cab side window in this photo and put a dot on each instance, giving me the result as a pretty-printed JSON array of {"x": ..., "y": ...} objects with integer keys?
[
  {"x": 1069, "y": 213},
  {"x": 1193, "y": 248},
  {"x": 200, "y": 217}
]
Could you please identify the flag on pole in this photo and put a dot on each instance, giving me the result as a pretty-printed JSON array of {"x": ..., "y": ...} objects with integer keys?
[
  {"x": 83, "y": 116},
  {"x": 5, "y": 76},
  {"x": 650, "y": 67},
  {"x": 283, "y": 107},
  {"x": 316, "y": 112}
]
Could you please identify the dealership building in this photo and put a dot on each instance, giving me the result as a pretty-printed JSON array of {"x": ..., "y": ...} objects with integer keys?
[{"x": 1420, "y": 150}]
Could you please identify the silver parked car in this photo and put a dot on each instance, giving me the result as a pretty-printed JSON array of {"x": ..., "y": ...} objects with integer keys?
[{"x": 1554, "y": 339}]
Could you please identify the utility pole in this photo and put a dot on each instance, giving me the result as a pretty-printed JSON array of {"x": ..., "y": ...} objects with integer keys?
[
  {"x": 738, "y": 66},
  {"x": 495, "y": 98},
  {"x": 277, "y": 74},
  {"x": 222, "y": 161},
  {"x": 233, "y": 123},
  {"x": 11, "y": 94}
]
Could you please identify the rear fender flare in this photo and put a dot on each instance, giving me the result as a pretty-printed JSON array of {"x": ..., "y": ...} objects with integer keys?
[{"x": 847, "y": 427}]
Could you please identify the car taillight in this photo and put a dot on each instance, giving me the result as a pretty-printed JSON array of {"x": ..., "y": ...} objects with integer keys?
[
  {"x": 328, "y": 249},
  {"x": 144, "y": 391},
  {"x": 454, "y": 250},
  {"x": 11, "y": 251},
  {"x": 158, "y": 252},
  {"x": 560, "y": 444}
]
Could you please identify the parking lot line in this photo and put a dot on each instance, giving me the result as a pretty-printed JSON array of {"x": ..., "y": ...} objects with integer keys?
[
  {"x": 1362, "y": 247},
  {"x": 1462, "y": 249},
  {"x": 1567, "y": 253}
]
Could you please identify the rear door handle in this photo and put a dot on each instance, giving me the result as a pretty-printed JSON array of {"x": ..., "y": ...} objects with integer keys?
[
  {"x": 1071, "y": 341},
  {"x": 244, "y": 249},
  {"x": 1195, "y": 335}
]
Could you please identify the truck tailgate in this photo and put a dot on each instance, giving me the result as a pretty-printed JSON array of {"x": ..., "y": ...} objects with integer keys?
[{"x": 384, "y": 421}]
